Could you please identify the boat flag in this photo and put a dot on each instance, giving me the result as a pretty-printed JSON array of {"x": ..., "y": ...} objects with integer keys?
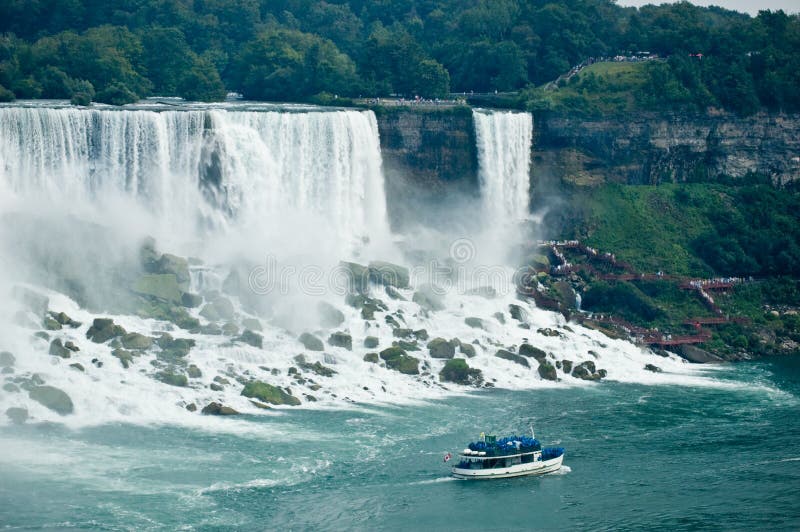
[{"x": 447, "y": 457}]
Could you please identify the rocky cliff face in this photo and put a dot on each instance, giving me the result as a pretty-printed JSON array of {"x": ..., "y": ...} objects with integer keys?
[{"x": 650, "y": 149}]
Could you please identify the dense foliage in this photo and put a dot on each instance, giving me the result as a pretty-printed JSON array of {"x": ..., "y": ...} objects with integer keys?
[{"x": 293, "y": 49}]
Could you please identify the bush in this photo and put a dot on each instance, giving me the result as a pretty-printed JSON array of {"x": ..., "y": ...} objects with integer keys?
[
  {"x": 117, "y": 94},
  {"x": 6, "y": 95}
]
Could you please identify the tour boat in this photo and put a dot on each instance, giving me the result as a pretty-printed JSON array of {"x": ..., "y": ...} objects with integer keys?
[{"x": 512, "y": 456}]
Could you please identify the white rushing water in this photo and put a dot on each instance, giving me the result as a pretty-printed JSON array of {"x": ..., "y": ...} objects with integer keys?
[
  {"x": 504, "y": 159},
  {"x": 240, "y": 173},
  {"x": 193, "y": 168}
]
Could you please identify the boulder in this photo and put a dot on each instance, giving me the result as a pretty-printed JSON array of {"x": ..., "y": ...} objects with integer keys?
[
  {"x": 458, "y": 372},
  {"x": 388, "y": 274},
  {"x": 172, "y": 378},
  {"x": 17, "y": 415},
  {"x": 191, "y": 300},
  {"x": 329, "y": 316},
  {"x": 529, "y": 351},
  {"x": 177, "y": 266},
  {"x": 194, "y": 372},
  {"x": 251, "y": 338},
  {"x": 402, "y": 333},
  {"x": 475, "y": 323},
  {"x": 57, "y": 349},
  {"x": 50, "y": 324},
  {"x": 160, "y": 286},
  {"x": 72, "y": 347},
  {"x": 357, "y": 278},
  {"x": 221, "y": 309},
  {"x": 125, "y": 357},
  {"x": 173, "y": 348},
  {"x": 547, "y": 371},
  {"x": 10, "y": 387},
  {"x": 78, "y": 366},
  {"x": 394, "y": 294},
  {"x": 341, "y": 339},
  {"x": 421, "y": 334},
  {"x": 406, "y": 345},
  {"x": 53, "y": 398},
  {"x": 268, "y": 394},
  {"x": 467, "y": 350},
  {"x": 548, "y": 332},
  {"x": 316, "y": 367},
  {"x": 217, "y": 409},
  {"x": 518, "y": 313},
  {"x": 372, "y": 357},
  {"x": 136, "y": 341},
  {"x": 63, "y": 319},
  {"x": 311, "y": 342},
  {"x": 252, "y": 324},
  {"x": 653, "y": 368},
  {"x": 191, "y": 407},
  {"x": 216, "y": 387},
  {"x": 230, "y": 329},
  {"x": 567, "y": 365},
  {"x": 371, "y": 342},
  {"x": 441, "y": 348},
  {"x": 6, "y": 359},
  {"x": 103, "y": 330},
  {"x": 586, "y": 371},
  {"x": 429, "y": 297},
  {"x": 697, "y": 355},
  {"x": 513, "y": 357},
  {"x": 397, "y": 359},
  {"x": 500, "y": 317},
  {"x": 391, "y": 321}
]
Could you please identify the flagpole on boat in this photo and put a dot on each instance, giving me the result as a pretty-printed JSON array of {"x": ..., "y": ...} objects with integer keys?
[{"x": 532, "y": 435}]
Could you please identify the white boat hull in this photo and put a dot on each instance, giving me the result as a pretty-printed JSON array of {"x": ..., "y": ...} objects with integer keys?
[{"x": 518, "y": 470}]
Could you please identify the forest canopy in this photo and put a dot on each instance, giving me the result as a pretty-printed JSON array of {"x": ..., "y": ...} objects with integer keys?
[{"x": 123, "y": 50}]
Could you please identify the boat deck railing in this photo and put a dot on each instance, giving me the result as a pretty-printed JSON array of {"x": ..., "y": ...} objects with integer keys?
[{"x": 498, "y": 456}]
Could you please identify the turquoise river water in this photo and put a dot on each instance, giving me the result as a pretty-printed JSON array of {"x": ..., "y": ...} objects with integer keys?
[{"x": 724, "y": 456}]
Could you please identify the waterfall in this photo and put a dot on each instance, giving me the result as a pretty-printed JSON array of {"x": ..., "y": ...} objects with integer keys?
[
  {"x": 231, "y": 166},
  {"x": 504, "y": 160}
]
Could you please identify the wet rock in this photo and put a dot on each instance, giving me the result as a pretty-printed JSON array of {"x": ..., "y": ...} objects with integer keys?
[
  {"x": 547, "y": 371},
  {"x": 136, "y": 341},
  {"x": 567, "y": 365},
  {"x": 172, "y": 378},
  {"x": 65, "y": 320},
  {"x": 251, "y": 338},
  {"x": 341, "y": 339},
  {"x": 6, "y": 359},
  {"x": 653, "y": 368},
  {"x": 215, "y": 387},
  {"x": 42, "y": 336},
  {"x": 50, "y": 324},
  {"x": 125, "y": 357},
  {"x": 163, "y": 287},
  {"x": 518, "y": 313},
  {"x": 467, "y": 350},
  {"x": 513, "y": 357},
  {"x": 429, "y": 297},
  {"x": 191, "y": 407},
  {"x": 458, "y": 371},
  {"x": 500, "y": 317},
  {"x": 10, "y": 387},
  {"x": 17, "y": 415},
  {"x": 421, "y": 334},
  {"x": 316, "y": 367},
  {"x": 173, "y": 348},
  {"x": 371, "y": 357},
  {"x": 397, "y": 359},
  {"x": 475, "y": 323},
  {"x": 586, "y": 371},
  {"x": 221, "y": 380},
  {"x": 402, "y": 333},
  {"x": 166, "y": 311},
  {"x": 177, "y": 266},
  {"x": 230, "y": 329},
  {"x": 57, "y": 349},
  {"x": 406, "y": 345},
  {"x": 217, "y": 409},
  {"x": 441, "y": 348},
  {"x": 268, "y": 394},
  {"x": 191, "y": 300},
  {"x": 78, "y": 366},
  {"x": 697, "y": 355},
  {"x": 357, "y": 278},
  {"x": 252, "y": 324},
  {"x": 548, "y": 332},
  {"x": 530, "y": 351},
  {"x": 194, "y": 372},
  {"x": 394, "y": 294},
  {"x": 391, "y": 321},
  {"x": 53, "y": 398},
  {"x": 72, "y": 347},
  {"x": 103, "y": 330},
  {"x": 311, "y": 342},
  {"x": 221, "y": 309},
  {"x": 388, "y": 274},
  {"x": 371, "y": 342},
  {"x": 329, "y": 316}
]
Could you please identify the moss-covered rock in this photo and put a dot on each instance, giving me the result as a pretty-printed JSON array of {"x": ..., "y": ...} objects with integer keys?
[
  {"x": 53, "y": 398},
  {"x": 467, "y": 350},
  {"x": 50, "y": 324},
  {"x": 125, "y": 357},
  {"x": 357, "y": 278},
  {"x": 402, "y": 333},
  {"x": 163, "y": 310},
  {"x": 475, "y": 323},
  {"x": 172, "y": 378},
  {"x": 341, "y": 339},
  {"x": 103, "y": 330},
  {"x": 57, "y": 349},
  {"x": 136, "y": 341},
  {"x": 372, "y": 357},
  {"x": 65, "y": 320},
  {"x": 160, "y": 286},
  {"x": 189, "y": 300},
  {"x": 388, "y": 274},
  {"x": 547, "y": 331},
  {"x": 173, "y": 349},
  {"x": 587, "y": 371},
  {"x": 397, "y": 359},
  {"x": 458, "y": 371},
  {"x": 194, "y": 372},
  {"x": 316, "y": 367},
  {"x": 371, "y": 342},
  {"x": 311, "y": 342},
  {"x": 329, "y": 316},
  {"x": 251, "y": 338},
  {"x": 567, "y": 366},
  {"x": 441, "y": 348},
  {"x": 220, "y": 309},
  {"x": 547, "y": 371},
  {"x": 529, "y": 351},
  {"x": 653, "y": 368},
  {"x": 72, "y": 347},
  {"x": 218, "y": 409},
  {"x": 177, "y": 266},
  {"x": 268, "y": 394},
  {"x": 513, "y": 357}
]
